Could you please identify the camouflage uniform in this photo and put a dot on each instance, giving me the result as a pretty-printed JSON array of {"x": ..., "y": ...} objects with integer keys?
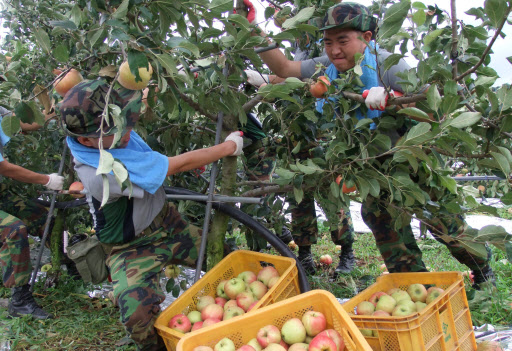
[
  {"x": 18, "y": 218},
  {"x": 398, "y": 247},
  {"x": 135, "y": 259}
]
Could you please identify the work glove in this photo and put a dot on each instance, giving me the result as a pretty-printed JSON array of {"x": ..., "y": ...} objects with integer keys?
[
  {"x": 376, "y": 98},
  {"x": 251, "y": 11},
  {"x": 55, "y": 182},
  {"x": 256, "y": 78},
  {"x": 239, "y": 141}
]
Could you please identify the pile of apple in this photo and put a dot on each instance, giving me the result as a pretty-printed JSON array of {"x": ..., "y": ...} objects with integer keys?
[
  {"x": 308, "y": 333},
  {"x": 234, "y": 298},
  {"x": 396, "y": 302}
]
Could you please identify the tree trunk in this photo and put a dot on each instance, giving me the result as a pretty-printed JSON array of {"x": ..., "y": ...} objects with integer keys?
[{"x": 56, "y": 240}]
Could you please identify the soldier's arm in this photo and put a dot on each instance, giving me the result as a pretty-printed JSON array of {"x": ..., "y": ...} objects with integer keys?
[{"x": 21, "y": 174}]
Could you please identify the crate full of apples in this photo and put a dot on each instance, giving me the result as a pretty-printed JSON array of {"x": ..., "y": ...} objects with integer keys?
[
  {"x": 242, "y": 282},
  {"x": 414, "y": 311},
  {"x": 310, "y": 321}
]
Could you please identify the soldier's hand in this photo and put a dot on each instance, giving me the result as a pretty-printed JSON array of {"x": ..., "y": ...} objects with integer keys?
[
  {"x": 55, "y": 182},
  {"x": 376, "y": 98},
  {"x": 236, "y": 137}
]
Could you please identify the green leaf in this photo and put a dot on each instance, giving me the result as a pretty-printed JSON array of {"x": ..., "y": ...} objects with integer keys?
[
  {"x": 391, "y": 61},
  {"x": 10, "y": 125},
  {"x": 449, "y": 183},
  {"x": 269, "y": 12},
  {"x": 502, "y": 162},
  {"x": 335, "y": 190},
  {"x": 136, "y": 60},
  {"x": 419, "y": 17},
  {"x": 43, "y": 39},
  {"x": 505, "y": 96},
  {"x": 363, "y": 122},
  {"x": 285, "y": 173},
  {"x": 393, "y": 19},
  {"x": 450, "y": 103},
  {"x": 418, "y": 133},
  {"x": 298, "y": 193},
  {"x": 221, "y": 5},
  {"x": 120, "y": 172},
  {"x": 306, "y": 169},
  {"x": 64, "y": 24},
  {"x": 24, "y": 112},
  {"x": 450, "y": 87},
  {"x": 493, "y": 233},
  {"x": 106, "y": 190},
  {"x": 105, "y": 163},
  {"x": 303, "y": 15},
  {"x": 433, "y": 97},
  {"x": 509, "y": 59},
  {"x": 311, "y": 116},
  {"x": 61, "y": 53},
  {"x": 463, "y": 120},
  {"x": 122, "y": 10},
  {"x": 98, "y": 37},
  {"x": 495, "y": 10},
  {"x": 430, "y": 37},
  {"x": 414, "y": 112}
]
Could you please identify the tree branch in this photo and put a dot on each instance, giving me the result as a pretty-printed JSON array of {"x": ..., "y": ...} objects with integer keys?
[
  {"x": 276, "y": 189},
  {"x": 455, "y": 40},
  {"x": 488, "y": 48}
]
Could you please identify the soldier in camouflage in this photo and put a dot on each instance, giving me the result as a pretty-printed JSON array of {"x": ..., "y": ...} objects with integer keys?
[
  {"x": 18, "y": 219},
  {"x": 349, "y": 29},
  {"x": 139, "y": 229}
]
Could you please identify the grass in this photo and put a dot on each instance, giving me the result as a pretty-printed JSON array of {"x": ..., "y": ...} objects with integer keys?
[{"x": 85, "y": 323}]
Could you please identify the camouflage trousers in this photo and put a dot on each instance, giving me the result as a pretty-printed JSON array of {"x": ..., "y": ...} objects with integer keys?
[
  {"x": 305, "y": 226},
  {"x": 18, "y": 218},
  {"x": 136, "y": 268},
  {"x": 399, "y": 248}
]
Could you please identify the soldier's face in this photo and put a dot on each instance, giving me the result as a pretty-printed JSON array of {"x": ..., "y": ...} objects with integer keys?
[
  {"x": 107, "y": 141},
  {"x": 341, "y": 45}
]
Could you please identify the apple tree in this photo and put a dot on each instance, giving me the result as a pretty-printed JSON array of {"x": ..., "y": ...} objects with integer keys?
[{"x": 198, "y": 51}]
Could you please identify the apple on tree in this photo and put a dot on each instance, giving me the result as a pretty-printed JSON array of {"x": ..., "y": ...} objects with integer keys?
[
  {"x": 128, "y": 80},
  {"x": 70, "y": 79}
]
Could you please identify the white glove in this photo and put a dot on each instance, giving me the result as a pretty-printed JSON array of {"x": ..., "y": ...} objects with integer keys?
[
  {"x": 256, "y": 78},
  {"x": 55, "y": 182},
  {"x": 376, "y": 98},
  {"x": 239, "y": 141}
]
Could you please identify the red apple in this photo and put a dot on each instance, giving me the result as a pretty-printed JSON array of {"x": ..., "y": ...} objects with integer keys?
[
  {"x": 300, "y": 346},
  {"x": 204, "y": 301},
  {"x": 229, "y": 304},
  {"x": 376, "y": 297},
  {"x": 268, "y": 334},
  {"x": 322, "y": 343},
  {"x": 180, "y": 323},
  {"x": 275, "y": 347},
  {"x": 365, "y": 308},
  {"x": 381, "y": 313},
  {"x": 252, "y": 305},
  {"x": 266, "y": 273},
  {"x": 220, "y": 301},
  {"x": 314, "y": 322},
  {"x": 258, "y": 289},
  {"x": 210, "y": 321},
  {"x": 326, "y": 260},
  {"x": 196, "y": 326},
  {"x": 246, "y": 348},
  {"x": 335, "y": 336},
  {"x": 212, "y": 311},
  {"x": 247, "y": 276},
  {"x": 245, "y": 299}
]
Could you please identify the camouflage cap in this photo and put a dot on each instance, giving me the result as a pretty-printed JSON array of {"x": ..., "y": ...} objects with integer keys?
[
  {"x": 83, "y": 105},
  {"x": 349, "y": 15}
]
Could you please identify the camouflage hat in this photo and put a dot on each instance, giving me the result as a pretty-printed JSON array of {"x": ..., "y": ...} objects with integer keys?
[
  {"x": 83, "y": 105},
  {"x": 349, "y": 15}
]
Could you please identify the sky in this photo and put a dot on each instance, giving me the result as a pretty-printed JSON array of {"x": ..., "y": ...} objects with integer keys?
[{"x": 501, "y": 48}]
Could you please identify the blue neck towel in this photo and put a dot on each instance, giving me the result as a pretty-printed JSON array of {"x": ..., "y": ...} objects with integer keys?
[{"x": 146, "y": 168}]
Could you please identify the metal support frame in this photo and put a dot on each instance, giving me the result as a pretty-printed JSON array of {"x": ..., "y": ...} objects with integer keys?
[{"x": 48, "y": 220}]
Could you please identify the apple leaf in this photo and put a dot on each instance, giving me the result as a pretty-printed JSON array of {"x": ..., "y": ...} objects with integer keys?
[{"x": 10, "y": 125}]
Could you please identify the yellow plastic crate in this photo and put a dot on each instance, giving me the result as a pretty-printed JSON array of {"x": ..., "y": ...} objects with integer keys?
[
  {"x": 232, "y": 265},
  {"x": 244, "y": 328},
  {"x": 445, "y": 324}
]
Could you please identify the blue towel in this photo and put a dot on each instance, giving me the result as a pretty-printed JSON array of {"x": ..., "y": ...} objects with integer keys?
[
  {"x": 3, "y": 137},
  {"x": 369, "y": 78},
  {"x": 146, "y": 168}
]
